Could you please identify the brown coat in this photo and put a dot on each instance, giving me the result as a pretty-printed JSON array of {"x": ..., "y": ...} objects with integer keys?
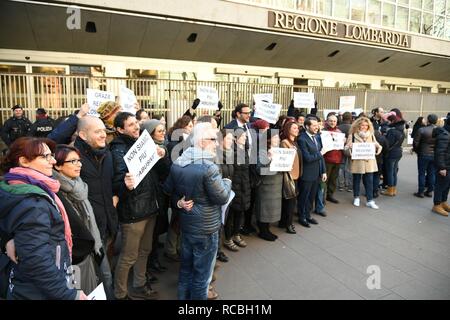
[
  {"x": 363, "y": 166},
  {"x": 296, "y": 171}
]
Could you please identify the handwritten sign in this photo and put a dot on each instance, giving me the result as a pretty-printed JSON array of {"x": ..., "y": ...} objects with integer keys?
[
  {"x": 363, "y": 151},
  {"x": 141, "y": 157},
  {"x": 268, "y": 111},
  {"x": 98, "y": 293},
  {"x": 347, "y": 103},
  {"x": 332, "y": 140},
  {"x": 95, "y": 98},
  {"x": 282, "y": 159},
  {"x": 127, "y": 100},
  {"x": 263, "y": 97},
  {"x": 209, "y": 98},
  {"x": 304, "y": 100}
]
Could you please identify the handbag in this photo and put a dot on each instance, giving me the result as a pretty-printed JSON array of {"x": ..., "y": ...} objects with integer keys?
[{"x": 289, "y": 186}]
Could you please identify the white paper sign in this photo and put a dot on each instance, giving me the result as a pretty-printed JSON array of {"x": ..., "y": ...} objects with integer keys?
[
  {"x": 98, "y": 293},
  {"x": 363, "y": 151},
  {"x": 327, "y": 111},
  {"x": 268, "y": 112},
  {"x": 209, "y": 98},
  {"x": 410, "y": 138},
  {"x": 127, "y": 100},
  {"x": 282, "y": 159},
  {"x": 95, "y": 98},
  {"x": 263, "y": 97},
  {"x": 332, "y": 140},
  {"x": 304, "y": 100},
  {"x": 225, "y": 206},
  {"x": 141, "y": 157},
  {"x": 347, "y": 103}
]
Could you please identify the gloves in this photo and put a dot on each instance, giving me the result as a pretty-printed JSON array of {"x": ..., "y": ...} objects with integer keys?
[
  {"x": 99, "y": 257},
  {"x": 195, "y": 103},
  {"x": 220, "y": 105},
  {"x": 291, "y": 105}
]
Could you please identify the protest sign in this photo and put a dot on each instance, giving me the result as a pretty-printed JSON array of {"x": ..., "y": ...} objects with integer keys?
[
  {"x": 363, "y": 151},
  {"x": 98, "y": 293},
  {"x": 347, "y": 103},
  {"x": 264, "y": 97},
  {"x": 209, "y": 98},
  {"x": 332, "y": 140},
  {"x": 95, "y": 98},
  {"x": 410, "y": 138},
  {"x": 141, "y": 157},
  {"x": 327, "y": 111},
  {"x": 282, "y": 159},
  {"x": 127, "y": 100},
  {"x": 304, "y": 100},
  {"x": 268, "y": 111}
]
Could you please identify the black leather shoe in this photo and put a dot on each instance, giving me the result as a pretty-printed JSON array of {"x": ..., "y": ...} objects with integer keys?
[
  {"x": 291, "y": 229},
  {"x": 331, "y": 199},
  {"x": 323, "y": 214},
  {"x": 312, "y": 221},
  {"x": 151, "y": 279},
  {"x": 247, "y": 230},
  {"x": 304, "y": 223},
  {"x": 222, "y": 257},
  {"x": 428, "y": 194},
  {"x": 157, "y": 267},
  {"x": 419, "y": 194}
]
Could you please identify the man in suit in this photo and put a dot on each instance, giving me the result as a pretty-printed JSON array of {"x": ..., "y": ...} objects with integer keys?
[{"x": 313, "y": 170}]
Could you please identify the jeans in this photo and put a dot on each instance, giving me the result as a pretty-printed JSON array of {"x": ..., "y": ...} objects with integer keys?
[
  {"x": 320, "y": 201},
  {"x": 345, "y": 176},
  {"x": 392, "y": 170},
  {"x": 442, "y": 187},
  {"x": 427, "y": 171},
  {"x": 198, "y": 255},
  {"x": 376, "y": 181},
  {"x": 368, "y": 185}
]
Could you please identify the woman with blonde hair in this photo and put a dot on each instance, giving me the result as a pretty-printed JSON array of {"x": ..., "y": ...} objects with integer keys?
[{"x": 362, "y": 132}]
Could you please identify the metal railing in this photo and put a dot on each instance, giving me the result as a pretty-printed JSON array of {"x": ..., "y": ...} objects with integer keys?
[{"x": 62, "y": 95}]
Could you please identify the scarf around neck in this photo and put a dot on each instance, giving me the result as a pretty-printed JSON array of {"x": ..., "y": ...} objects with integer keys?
[{"x": 20, "y": 175}]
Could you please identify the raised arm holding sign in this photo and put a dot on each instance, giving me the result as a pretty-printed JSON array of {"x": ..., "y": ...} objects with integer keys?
[
  {"x": 95, "y": 98},
  {"x": 209, "y": 98},
  {"x": 268, "y": 111}
]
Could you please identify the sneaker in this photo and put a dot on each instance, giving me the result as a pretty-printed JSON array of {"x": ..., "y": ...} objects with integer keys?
[
  {"x": 371, "y": 204},
  {"x": 143, "y": 293},
  {"x": 230, "y": 245},
  {"x": 341, "y": 189},
  {"x": 356, "y": 202},
  {"x": 349, "y": 190},
  {"x": 239, "y": 241}
]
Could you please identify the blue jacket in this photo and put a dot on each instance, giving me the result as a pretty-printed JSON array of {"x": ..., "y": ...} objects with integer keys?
[
  {"x": 30, "y": 216},
  {"x": 62, "y": 134},
  {"x": 195, "y": 176},
  {"x": 395, "y": 136},
  {"x": 313, "y": 162}
]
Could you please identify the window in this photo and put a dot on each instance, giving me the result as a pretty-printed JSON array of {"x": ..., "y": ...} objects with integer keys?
[
  {"x": 341, "y": 9},
  {"x": 439, "y": 25},
  {"x": 324, "y": 7},
  {"x": 414, "y": 22},
  {"x": 142, "y": 73},
  {"x": 6, "y": 68},
  {"x": 416, "y": 4},
  {"x": 306, "y": 5},
  {"x": 388, "y": 15},
  {"x": 439, "y": 6},
  {"x": 374, "y": 12},
  {"x": 427, "y": 23},
  {"x": 49, "y": 70},
  {"x": 401, "y": 22},
  {"x": 404, "y": 2},
  {"x": 448, "y": 29},
  {"x": 358, "y": 10},
  {"x": 428, "y": 5}
]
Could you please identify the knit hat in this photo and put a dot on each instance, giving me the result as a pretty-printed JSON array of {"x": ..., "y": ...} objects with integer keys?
[
  {"x": 107, "y": 109},
  {"x": 150, "y": 125}
]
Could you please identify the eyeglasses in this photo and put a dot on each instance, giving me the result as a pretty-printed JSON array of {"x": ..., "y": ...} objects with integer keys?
[
  {"x": 48, "y": 156},
  {"x": 73, "y": 161},
  {"x": 212, "y": 139}
]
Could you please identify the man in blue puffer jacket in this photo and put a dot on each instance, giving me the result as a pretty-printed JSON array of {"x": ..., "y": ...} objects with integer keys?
[{"x": 194, "y": 176}]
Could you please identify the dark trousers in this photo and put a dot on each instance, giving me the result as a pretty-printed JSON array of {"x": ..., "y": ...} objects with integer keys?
[
  {"x": 392, "y": 170},
  {"x": 427, "y": 171},
  {"x": 287, "y": 211},
  {"x": 368, "y": 185},
  {"x": 306, "y": 197},
  {"x": 376, "y": 181},
  {"x": 233, "y": 223},
  {"x": 332, "y": 175},
  {"x": 441, "y": 188},
  {"x": 249, "y": 213}
]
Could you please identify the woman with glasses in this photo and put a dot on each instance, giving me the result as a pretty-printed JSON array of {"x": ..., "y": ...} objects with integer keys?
[
  {"x": 33, "y": 214},
  {"x": 87, "y": 243}
]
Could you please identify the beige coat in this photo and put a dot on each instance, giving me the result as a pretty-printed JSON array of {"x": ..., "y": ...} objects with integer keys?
[{"x": 363, "y": 166}]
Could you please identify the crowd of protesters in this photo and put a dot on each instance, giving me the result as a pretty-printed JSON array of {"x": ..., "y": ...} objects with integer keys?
[{"x": 71, "y": 216}]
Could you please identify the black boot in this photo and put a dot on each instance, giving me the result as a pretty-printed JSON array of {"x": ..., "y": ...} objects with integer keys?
[{"x": 264, "y": 232}]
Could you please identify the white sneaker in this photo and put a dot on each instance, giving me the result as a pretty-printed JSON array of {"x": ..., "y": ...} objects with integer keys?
[
  {"x": 371, "y": 204},
  {"x": 356, "y": 202}
]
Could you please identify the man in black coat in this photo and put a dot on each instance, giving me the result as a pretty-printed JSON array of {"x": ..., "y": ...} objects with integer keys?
[
  {"x": 43, "y": 125},
  {"x": 97, "y": 172},
  {"x": 313, "y": 170},
  {"x": 15, "y": 127}
]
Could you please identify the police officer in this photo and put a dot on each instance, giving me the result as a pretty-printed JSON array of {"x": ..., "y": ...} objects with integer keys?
[
  {"x": 43, "y": 124},
  {"x": 15, "y": 127}
]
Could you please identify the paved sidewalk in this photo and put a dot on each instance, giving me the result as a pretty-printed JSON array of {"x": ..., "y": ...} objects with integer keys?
[{"x": 404, "y": 238}]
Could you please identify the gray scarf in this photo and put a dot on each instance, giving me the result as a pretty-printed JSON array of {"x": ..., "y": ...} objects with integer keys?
[{"x": 76, "y": 192}]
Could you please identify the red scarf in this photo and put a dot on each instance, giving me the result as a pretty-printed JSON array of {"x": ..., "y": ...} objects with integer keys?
[{"x": 53, "y": 185}]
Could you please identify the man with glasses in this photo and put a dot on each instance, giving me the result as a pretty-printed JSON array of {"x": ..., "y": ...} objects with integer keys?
[{"x": 194, "y": 176}]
